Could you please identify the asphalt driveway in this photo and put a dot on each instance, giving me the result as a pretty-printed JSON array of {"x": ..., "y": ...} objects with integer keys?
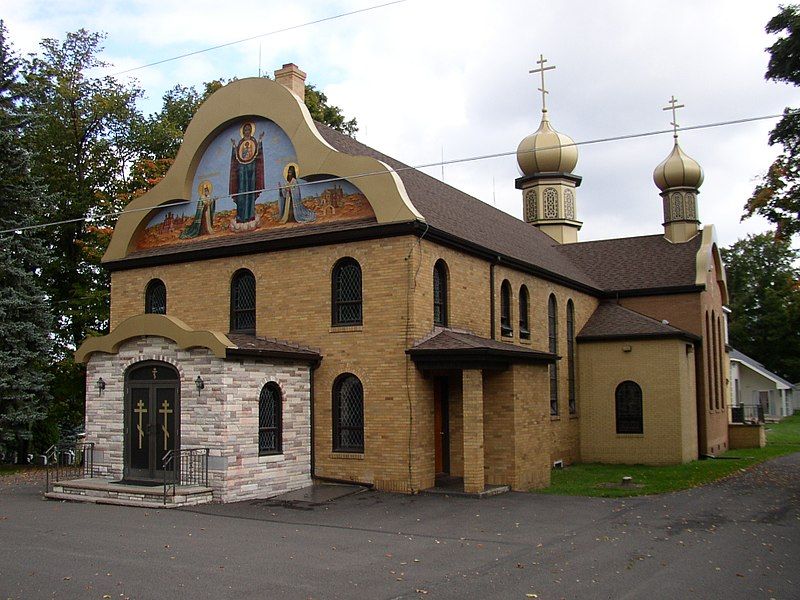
[{"x": 739, "y": 538}]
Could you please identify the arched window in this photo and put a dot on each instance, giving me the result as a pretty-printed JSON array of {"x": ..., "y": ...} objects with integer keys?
[
  {"x": 715, "y": 354},
  {"x": 571, "y": 356},
  {"x": 709, "y": 368},
  {"x": 348, "y": 414},
  {"x": 270, "y": 422},
  {"x": 243, "y": 301},
  {"x": 552, "y": 335},
  {"x": 628, "y": 400},
  {"x": 346, "y": 293},
  {"x": 720, "y": 349},
  {"x": 155, "y": 298},
  {"x": 524, "y": 303},
  {"x": 505, "y": 310},
  {"x": 440, "y": 294}
]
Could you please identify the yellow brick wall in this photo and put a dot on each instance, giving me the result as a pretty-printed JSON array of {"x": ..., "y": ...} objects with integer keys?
[
  {"x": 662, "y": 369},
  {"x": 687, "y": 312}
]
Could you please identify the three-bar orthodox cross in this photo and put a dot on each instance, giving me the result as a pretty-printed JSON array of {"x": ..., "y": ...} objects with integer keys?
[
  {"x": 542, "y": 60},
  {"x": 141, "y": 411},
  {"x": 166, "y": 411},
  {"x": 674, "y": 106}
]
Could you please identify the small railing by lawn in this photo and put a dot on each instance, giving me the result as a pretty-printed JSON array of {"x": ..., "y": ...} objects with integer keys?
[
  {"x": 747, "y": 413},
  {"x": 68, "y": 460},
  {"x": 187, "y": 466}
]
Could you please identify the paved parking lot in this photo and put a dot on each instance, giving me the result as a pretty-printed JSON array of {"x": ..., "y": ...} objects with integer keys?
[{"x": 739, "y": 538}]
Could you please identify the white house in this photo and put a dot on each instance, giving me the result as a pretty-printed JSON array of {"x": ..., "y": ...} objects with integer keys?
[{"x": 752, "y": 385}]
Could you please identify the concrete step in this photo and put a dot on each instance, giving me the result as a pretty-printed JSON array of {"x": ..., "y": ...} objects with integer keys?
[{"x": 103, "y": 491}]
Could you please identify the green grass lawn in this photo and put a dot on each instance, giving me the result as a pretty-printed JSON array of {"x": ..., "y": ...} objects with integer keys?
[{"x": 593, "y": 479}]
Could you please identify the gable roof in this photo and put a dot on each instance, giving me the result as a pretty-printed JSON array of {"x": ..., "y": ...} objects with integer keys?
[
  {"x": 612, "y": 321},
  {"x": 759, "y": 368},
  {"x": 637, "y": 264}
]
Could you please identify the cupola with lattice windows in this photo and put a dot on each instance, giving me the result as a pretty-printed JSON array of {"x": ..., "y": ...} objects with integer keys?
[
  {"x": 679, "y": 178},
  {"x": 546, "y": 159}
]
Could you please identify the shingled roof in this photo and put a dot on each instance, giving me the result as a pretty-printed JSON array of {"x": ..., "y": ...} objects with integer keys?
[
  {"x": 465, "y": 217},
  {"x": 642, "y": 263},
  {"x": 250, "y": 345},
  {"x": 612, "y": 321}
]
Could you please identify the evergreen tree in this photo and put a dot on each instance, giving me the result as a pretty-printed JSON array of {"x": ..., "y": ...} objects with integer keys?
[{"x": 25, "y": 320}]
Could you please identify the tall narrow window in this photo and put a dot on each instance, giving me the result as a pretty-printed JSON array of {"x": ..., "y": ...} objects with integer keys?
[
  {"x": 628, "y": 401},
  {"x": 715, "y": 359},
  {"x": 709, "y": 368},
  {"x": 505, "y": 309},
  {"x": 243, "y": 301},
  {"x": 524, "y": 303},
  {"x": 346, "y": 293},
  {"x": 440, "y": 294},
  {"x": 348, "y": 414},
  {"x": 571, "y": 356},
  {"x": 720, "y": 349},
  {"x": 270, "y": 424},
  {"x": 552, "y": 334},
  {"x": 155, "y": 298}
]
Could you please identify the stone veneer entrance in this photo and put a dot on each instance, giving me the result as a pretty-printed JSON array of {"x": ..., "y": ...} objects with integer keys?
[{"x": 222, "y": 416}]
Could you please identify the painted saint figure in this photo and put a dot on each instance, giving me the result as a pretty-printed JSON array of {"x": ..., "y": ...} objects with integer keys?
[
  {"x": 290, "y": 205},
  {"x": 246, "y": 176},
  {"x": 203, "y": 222}
]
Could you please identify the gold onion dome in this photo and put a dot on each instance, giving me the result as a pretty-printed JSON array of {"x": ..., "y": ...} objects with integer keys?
[
  {"x": 678, "y": 170},
  {"x": 547, "y": 151}
]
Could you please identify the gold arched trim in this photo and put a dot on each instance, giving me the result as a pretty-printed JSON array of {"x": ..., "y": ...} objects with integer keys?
[
  {"x": 155, "y": 325},
  {"x": 260, "y": 97}
]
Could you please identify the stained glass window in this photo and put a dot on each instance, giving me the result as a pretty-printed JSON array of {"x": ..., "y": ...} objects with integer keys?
[
  {"x": 156, "y": 298},
  {"x": 440, "y": 294},
  {"x": 243, "y": 301},
  {"x": 505, "y": 310},
  {"x": 269, "y": 420},
  {"x": 346, "y": 293},
  {"x": 629, "y": 408},
  {"x": 348, "y": 414}
]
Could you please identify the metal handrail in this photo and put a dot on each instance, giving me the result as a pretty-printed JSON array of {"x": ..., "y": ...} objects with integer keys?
[
  {"x": 185, "y": 466},
  {"x": 68, "y": 460},
  {"x": 747, "y": 413}
]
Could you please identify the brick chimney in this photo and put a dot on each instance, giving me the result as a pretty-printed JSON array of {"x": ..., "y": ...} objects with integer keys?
[{"x": 290, "y": 76}]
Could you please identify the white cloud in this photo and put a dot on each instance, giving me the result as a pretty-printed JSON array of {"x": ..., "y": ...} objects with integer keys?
[{"x": 422, "y": 77}]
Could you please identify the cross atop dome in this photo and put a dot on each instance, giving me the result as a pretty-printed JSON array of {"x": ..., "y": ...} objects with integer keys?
[
  {"x": 674, "y": 106},
  {"x": 542, "y": 60}
]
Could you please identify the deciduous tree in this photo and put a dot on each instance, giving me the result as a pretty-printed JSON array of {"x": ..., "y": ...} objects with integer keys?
[
  {"x": 764, "y": 286},
  {"x": 777, "y": 196}
]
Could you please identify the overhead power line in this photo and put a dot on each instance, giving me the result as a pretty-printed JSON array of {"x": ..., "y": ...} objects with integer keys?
[
  {"x": 262, "y": 35},
  {"x": 617, "y": 138}
]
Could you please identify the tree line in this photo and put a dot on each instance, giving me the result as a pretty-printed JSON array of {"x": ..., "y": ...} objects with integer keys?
[{"x": 74, "y": 150}]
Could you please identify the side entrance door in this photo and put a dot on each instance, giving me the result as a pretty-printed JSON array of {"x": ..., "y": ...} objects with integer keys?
[
  {"x": 441, "y": 425},
  {"x": 152, "y": 415}
]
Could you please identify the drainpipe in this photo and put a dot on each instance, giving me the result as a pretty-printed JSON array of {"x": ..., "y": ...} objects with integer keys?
[{"x": 491, "y": 296}]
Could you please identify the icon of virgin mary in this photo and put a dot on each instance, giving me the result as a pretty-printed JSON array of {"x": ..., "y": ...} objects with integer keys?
[{"x": 246, "y": 175}]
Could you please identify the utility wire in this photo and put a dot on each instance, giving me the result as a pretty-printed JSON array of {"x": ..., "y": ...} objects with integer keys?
[
  {"x": 255, "y": 37},
  {"x": 479, "y": 157}
]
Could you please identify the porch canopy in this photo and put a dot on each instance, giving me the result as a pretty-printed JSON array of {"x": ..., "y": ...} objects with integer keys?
[{"x": 448, "y": 349}]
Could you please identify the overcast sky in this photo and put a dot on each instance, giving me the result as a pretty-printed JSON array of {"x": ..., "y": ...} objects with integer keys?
[{"x": 450, "y": 77}]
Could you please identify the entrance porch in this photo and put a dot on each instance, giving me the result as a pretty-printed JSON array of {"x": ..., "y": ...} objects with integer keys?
[{"x": 490, "y": 417}]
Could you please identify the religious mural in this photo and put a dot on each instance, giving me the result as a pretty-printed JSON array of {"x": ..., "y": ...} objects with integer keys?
[{"x": 248, "y": 179}]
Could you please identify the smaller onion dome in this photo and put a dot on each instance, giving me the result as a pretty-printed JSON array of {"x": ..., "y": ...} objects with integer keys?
[
  {"x": 547, "y": 151},
  {"x": 678, "y": 170}
]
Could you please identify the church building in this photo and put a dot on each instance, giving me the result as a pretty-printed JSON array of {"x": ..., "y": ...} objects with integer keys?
[{"x": 298, "y": 305}]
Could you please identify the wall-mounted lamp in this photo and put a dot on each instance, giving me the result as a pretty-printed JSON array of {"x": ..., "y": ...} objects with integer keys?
[
  {"x": 199, "y": 383},
  {"x": 101, "y": 385}
]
